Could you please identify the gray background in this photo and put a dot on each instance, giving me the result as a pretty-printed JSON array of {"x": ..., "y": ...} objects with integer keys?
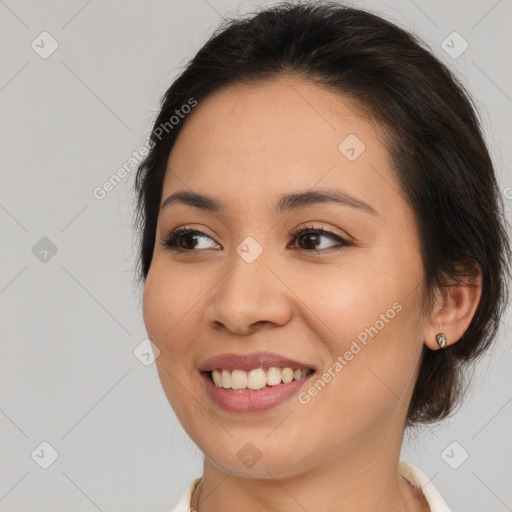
[{"x": 71, "y": 322}]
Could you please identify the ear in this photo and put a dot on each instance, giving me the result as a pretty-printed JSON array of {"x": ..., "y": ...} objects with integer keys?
[{"x": 454, "y": 308}]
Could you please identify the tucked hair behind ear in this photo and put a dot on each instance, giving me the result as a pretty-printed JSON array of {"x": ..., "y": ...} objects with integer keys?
[{"x": 433, "y": 136}]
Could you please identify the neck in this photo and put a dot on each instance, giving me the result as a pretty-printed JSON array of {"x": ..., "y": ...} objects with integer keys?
[{"x": 370, "y": 482}]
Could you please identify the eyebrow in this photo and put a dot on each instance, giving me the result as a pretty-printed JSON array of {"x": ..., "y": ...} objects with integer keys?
[{"x": 285, "y": 203}]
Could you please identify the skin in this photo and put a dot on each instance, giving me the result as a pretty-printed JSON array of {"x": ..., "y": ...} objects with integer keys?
[{"x": 245, "y": 145}]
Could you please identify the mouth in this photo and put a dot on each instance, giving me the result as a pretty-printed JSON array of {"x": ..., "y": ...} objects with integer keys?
[
  {"x": 251, "y": 381},
  {"x": 233, "y": 390}
]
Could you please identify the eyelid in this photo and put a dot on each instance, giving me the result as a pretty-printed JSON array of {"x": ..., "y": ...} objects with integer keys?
[{"x": 327, "y": 231}]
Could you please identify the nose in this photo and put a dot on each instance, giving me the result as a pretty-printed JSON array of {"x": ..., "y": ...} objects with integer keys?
[{"x": 249, "y": 297}]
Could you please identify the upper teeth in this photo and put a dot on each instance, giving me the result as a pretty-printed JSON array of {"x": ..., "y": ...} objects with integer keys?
[{"x": 256, "y": 378}]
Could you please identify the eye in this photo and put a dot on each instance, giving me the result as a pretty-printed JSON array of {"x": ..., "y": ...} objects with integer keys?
[
  {"x": 312, "y": 235},
  {"x": 185, "y": 239}
]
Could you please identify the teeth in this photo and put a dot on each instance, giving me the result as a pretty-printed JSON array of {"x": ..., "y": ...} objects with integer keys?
[
  {"x": 287, "y": 375},
  {"x": 226, "y": 379},
  {"x": 257, "y": 378},
  {"x": 217, "y": 378},
  {"x": 274, "y": 376},
  {"x": 238, "y": 379}
]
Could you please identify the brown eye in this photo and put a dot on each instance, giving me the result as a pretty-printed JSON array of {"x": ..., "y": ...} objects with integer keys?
[
  {"x": 311, "y": 240},
  {"x": 183, "y": 239},
  {"x": 312, "y": 237}
]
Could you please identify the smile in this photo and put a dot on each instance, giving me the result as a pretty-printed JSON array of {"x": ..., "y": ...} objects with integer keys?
[
  {"x": 248, "y": 400},
  {"x": 257, "y": 378},
  {"x": 253, "y": 382}
]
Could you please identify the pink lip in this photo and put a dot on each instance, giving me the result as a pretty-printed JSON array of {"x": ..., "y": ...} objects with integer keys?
[
  {"x": 250, "y": 361},
  {"x": 252, "y": 401}
]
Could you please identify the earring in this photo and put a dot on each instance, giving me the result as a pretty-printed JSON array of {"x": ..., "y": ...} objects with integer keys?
[{"x": 441, "y": 339}]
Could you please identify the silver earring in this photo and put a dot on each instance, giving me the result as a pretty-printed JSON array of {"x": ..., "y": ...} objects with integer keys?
[{"x": 441, "y": 339}]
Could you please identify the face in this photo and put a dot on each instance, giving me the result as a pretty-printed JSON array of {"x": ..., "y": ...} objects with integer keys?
[{"x": 342, "y": 298}]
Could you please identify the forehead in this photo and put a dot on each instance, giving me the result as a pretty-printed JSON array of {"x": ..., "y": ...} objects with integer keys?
[{"x": 251, "y": 142}]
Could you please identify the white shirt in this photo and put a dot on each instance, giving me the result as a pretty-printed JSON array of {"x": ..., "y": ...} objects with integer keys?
[{"x": 411, "y": 473}]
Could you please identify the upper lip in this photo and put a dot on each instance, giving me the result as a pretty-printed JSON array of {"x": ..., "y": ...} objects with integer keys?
[{"x": 251, "y": 361}]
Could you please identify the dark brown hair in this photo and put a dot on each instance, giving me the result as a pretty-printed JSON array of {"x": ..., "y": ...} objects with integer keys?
[{"x": 433, "y": 136}]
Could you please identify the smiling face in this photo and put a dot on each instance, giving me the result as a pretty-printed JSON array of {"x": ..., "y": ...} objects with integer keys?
[{"x": 346, "y": 302}]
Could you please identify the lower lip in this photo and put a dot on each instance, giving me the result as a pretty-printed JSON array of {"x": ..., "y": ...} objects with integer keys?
[{"x": 252, "y": 401}]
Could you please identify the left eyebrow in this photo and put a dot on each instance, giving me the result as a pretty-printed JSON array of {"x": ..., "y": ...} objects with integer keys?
[
  {"x": 285, "y": 203},
  {"x": 300, "y": 200}
]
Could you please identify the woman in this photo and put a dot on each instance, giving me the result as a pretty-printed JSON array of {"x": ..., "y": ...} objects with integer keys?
[{"x": 323, "y": 251}]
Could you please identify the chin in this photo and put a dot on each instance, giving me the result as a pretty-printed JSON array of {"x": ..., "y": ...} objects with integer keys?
[{"x": 254, "y": 460}]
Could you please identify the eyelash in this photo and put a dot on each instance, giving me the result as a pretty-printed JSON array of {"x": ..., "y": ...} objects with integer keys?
[{"x": 170, "y": 241}]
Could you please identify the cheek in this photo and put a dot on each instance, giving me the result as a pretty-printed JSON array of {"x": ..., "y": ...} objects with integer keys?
[
  {"x": 351, "y": 297},
  {"x": 168, "y": 317},
  {"x": 168, "y": 310},
  {"x": 371, "y": 317}
]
